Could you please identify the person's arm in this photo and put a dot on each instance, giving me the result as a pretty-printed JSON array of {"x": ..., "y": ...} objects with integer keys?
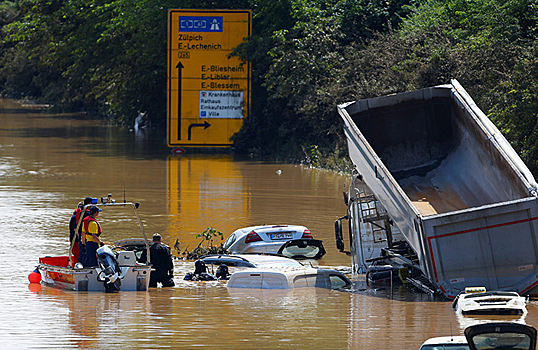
[
  {"x": 170, "y": 263},
  {"x": 72, "y": 227},
  {"x": 95, "y": 238}
]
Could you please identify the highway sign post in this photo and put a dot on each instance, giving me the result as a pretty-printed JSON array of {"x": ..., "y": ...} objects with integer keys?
[{"x": 208, "y": 91}]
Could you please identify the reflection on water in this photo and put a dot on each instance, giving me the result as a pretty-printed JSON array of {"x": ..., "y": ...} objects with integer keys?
[
  {"x": 213, "y": 192},
  {"x": 216, "y": 191},
  {"x": 48, "y": 162}
]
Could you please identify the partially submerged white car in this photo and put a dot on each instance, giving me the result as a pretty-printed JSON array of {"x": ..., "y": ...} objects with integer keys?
[
  {"x": 476, "y": 300},
  {"x": 457, "y": 342},
  {"x": 220, "y": 266},
  {"x": 265, "y": 271},
  {"x": 289, "y": 279},
  {"x": 501, "y": 335},
  {"x": 490, "y": 335},
  {"x": 292, "y": 241}
]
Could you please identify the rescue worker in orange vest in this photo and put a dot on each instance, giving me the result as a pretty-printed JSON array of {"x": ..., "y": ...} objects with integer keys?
[{"x": 91, "y": 232}]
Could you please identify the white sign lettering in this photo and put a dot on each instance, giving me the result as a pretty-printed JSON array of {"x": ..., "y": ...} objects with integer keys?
[{"x": 221, "y": 104}]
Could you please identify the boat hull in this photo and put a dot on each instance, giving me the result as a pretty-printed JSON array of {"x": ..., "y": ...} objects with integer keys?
[{"x": 56, "y": 273}]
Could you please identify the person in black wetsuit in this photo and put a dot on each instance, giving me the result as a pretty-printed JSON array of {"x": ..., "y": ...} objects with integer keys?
[{"x": 161, "y": 259}]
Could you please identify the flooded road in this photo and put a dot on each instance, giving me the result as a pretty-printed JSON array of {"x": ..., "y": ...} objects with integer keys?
[{"x": 49, "y": 162}]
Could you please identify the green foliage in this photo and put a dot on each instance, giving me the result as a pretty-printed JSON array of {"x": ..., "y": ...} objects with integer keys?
[
  {"x": 302, "y": 81},
  {"x": 8, "y": 12},
  {"x": 315, "y": 155},
  {"x": 361, "y": 20},
  {"x": 206, "y": 244},
  {"x": 516, "y": 108},
  {"x": 337, "y": 159},
  {"x": 104, "y": 56},
  {"x": 109, "y": 56},
  {"x": 490, "y": 46},
  {"x": 208, "y": 235}
]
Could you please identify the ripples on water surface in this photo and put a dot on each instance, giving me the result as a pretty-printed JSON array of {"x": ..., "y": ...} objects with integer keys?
[{"x": 49, "y": 162}]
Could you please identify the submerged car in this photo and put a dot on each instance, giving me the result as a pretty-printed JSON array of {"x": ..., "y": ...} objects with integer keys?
[
  {"x": 289, "y": 279},
  {"x": 136, "y": 245},
  {"x": 458, "y": 342},
  {"x": 265, "y": 271},
  {"x": 213, "y": 267},
  {"x": 476, "y": 300},
  {"x": 501, "y": 335},
  {"x": 288, "y": 240},
  {"x": 252, "y": 261},
  {"x": 490, "y": 335}
]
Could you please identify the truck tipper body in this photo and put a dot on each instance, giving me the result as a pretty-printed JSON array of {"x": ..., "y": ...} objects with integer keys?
[{"x": 452, "y": 185}]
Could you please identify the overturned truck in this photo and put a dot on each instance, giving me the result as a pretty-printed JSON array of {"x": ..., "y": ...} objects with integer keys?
[{"x": 434, "y": 170}]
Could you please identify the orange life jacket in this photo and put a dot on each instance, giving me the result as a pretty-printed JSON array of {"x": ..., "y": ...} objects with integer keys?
[{"x": 78, "y": 211}]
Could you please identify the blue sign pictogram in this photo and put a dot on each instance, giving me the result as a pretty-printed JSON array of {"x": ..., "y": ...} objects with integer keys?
[{"x": 200, "y": 24}]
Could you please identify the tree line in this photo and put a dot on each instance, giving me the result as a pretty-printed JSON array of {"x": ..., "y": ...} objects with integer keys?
[{"x": 109, "y": 57}]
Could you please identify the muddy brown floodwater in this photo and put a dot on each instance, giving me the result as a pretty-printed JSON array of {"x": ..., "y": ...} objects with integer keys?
[{"x": 48, "y": 162}]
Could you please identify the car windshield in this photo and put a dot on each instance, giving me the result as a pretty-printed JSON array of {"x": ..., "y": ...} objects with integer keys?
[
  {"x": 485, "y": 294},
  {"x": 302, "y": 249},
  {"x": 338, "y": 282},
  {"x": 229, "y": 241},
  {"x": 227, "y": 260},
  {"x": 512, "y": 341},
  {"x": 254, "y": 260},
  {"x": 307, "y": 252}
]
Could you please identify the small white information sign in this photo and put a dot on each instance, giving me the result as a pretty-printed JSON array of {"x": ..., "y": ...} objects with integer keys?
[{"x": 221, "y": 104}]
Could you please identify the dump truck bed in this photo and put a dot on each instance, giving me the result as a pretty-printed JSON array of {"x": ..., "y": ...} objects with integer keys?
[{"x": 451, "y": 183}]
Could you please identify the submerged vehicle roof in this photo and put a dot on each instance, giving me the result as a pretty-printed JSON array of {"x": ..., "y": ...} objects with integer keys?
[
  {"x": 457, "y": 342},
  {"x": 251, "y": 260},
  {"x": 267, "y": 278},
  {"x": 268, "y": 227}
]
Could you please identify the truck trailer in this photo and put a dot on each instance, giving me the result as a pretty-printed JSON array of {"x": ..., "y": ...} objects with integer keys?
[{"x": 431, "y": 166}]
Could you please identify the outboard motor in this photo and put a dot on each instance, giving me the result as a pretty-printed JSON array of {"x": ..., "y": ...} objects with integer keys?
[{"x": 110, "y": 273}]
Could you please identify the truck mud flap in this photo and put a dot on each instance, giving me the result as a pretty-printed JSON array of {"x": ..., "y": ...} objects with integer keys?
[{"x": 303, "y": 249}]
